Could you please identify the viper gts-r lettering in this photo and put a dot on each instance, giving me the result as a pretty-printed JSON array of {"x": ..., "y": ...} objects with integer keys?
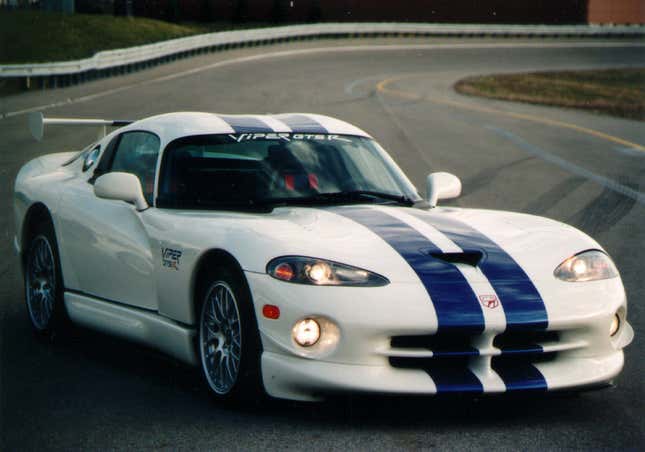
[{"x": 288, "y": 137}]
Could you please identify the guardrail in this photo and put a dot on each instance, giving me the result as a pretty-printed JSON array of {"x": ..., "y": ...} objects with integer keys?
[{"x": 119, "y": 61}]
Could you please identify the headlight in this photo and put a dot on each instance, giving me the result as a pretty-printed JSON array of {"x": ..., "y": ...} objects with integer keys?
[
  {"x": 319, "y": 272},
  {"x": 586, "y": 266}
]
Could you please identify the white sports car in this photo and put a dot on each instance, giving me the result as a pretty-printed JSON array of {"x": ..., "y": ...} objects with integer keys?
[{"x": 288, "y": 254}]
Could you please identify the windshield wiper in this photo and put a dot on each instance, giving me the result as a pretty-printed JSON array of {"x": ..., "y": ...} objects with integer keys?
[
  {"x": 401, "y": 199},
  {"x": 342, "y": 197},
  {"x": 353, "y": 196},
  {"x": 199, "y": 203}
]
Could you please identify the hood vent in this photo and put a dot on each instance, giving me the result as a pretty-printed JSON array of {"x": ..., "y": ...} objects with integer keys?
[{"x": 471, "y": 258}]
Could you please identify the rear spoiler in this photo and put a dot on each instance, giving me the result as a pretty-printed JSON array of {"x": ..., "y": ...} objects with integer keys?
[{"x": 37, "y": 124}]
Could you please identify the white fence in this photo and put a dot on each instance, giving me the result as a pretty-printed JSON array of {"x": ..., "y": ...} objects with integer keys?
[{"x": 132, "y": 58}]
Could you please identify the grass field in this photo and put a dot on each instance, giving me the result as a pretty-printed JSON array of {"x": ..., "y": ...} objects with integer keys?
[
  {"x": 616, "y": 92},
  {"x": 35, "y": 36}
]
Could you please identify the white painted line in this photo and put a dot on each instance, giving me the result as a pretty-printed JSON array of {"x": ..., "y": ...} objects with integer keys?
[
  {"x": 570, "y": 167},
  {"x": 630, "y": 151}
]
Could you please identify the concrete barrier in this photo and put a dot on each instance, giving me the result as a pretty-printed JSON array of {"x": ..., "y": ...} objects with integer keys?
[{"x": 112, "y": 62}]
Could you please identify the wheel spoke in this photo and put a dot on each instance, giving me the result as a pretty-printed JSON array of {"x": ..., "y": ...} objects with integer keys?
[
  {"x": 229, "y": 370},
  {"x": 211, "y": 330},
  {"x": 236, "y": 342},
  {"x": 36, "y": 259},
  {"x": 227, "y": 306},
  {"x": 211, "y": 323},
  {"x": 41, "y": 311},
  {"x": 51, "y": 304},
  {"x": 220, "y": 310},
  {"x": 213, "y": 309},
  {"x": 42, "y": 255},
  {"x": 46, "y": 304}
]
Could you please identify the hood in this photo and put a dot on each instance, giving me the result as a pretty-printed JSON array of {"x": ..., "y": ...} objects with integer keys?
[
  {"x": 375, "y": 237},
  {"x": 387, "y": 239},
  {"x": 536, "y": 244},
  {"x": 463, "y": 258}
]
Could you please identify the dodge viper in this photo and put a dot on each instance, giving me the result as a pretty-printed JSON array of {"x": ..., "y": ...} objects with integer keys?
[{"x": 289, "y": 255}]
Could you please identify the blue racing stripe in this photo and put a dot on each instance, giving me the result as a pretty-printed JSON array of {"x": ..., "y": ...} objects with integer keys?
[
  {"x": 302, "y": 124},
  {"x": 519, "y": 376},
  {"x": 522, "y": 303},
  {"x": 524, "y": 350},
  {"x": 246, "y": 124},
  {"x": 445, "y": 353},
  {"x": 458, "y": 379},
  {"x": 455, "y": 302}
]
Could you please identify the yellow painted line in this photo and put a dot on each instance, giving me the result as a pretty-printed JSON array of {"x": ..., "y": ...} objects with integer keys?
[{"x": 382, "y": 87}]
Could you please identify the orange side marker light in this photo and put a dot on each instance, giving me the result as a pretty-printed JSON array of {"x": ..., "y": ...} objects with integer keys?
[{"x": 271, "y": 312}]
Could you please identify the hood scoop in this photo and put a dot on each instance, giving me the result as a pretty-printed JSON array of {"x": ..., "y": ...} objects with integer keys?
[{"x": 471, "y": 258}]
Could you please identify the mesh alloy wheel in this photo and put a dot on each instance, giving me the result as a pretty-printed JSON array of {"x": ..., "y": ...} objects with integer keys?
[
  {"x": 40, "y": 281},
  {"x": 220, "y": 338}
]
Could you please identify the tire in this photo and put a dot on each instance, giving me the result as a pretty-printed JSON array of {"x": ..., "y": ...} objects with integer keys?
[
  {"x": 44, "y": 283},
  {"x": 228, "y": 341}
]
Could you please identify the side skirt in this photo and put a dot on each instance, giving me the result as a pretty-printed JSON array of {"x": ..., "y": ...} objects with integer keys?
[{"x": 134, "y": 324}]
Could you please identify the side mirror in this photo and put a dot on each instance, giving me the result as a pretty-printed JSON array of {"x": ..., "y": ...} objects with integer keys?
[
  {"x": 122, "y": 187},
  {"x": 442, "y": 186}
]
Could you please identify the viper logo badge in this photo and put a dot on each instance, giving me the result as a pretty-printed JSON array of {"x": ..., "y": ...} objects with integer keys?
[
  {"x": 170, "y": 258},
  {"x": 490, "y": 301}
]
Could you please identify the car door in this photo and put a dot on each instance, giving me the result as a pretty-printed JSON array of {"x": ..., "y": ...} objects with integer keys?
[{"x": 106, "y": 241}]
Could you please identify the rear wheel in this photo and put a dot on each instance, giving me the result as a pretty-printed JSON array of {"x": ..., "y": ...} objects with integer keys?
[
  {"x": 44, "y": 283},
  {"x": 228, "y": 342}
]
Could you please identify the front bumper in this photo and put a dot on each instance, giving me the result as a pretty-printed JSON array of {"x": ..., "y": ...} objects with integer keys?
[
  {"x": 366, "y": 355},
  {"x": 290, "y": 377}
]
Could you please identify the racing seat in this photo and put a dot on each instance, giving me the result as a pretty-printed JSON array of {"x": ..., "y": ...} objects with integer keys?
[{"x": 291, "y": 174}]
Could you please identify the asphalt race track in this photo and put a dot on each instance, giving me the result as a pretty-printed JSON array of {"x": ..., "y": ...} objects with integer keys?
[{"x": 96, "y": 392}]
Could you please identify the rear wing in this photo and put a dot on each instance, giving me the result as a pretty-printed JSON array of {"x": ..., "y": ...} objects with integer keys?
[{"x": 37, "y": 124}]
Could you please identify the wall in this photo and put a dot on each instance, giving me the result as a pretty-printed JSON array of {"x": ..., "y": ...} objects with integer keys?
[{"x": 616, "y": 11}]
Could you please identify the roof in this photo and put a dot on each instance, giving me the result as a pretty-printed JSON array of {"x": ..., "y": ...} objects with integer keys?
[{"x": 171, "y": 126}]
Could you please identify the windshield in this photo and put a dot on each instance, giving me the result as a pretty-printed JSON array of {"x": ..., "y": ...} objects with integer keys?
[{"x": 223, "y": 171}]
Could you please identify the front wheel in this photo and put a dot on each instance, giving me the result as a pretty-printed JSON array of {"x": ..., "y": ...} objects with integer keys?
[
  {"x": 44, "y": 284},
  {"x": 228, "y": 343}
]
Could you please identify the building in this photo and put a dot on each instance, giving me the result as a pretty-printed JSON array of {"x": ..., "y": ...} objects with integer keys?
[{"x": 616, "y": 12}]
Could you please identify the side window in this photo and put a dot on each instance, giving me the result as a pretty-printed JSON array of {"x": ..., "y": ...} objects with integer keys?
[
  {"x": 106, "y": 159},
  {"x": 137, "y": 153}
]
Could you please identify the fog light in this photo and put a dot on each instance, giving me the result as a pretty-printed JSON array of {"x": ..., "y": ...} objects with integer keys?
[
  {"x": 306, "y": 332},
  {"x": 615, "y": 325}
]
